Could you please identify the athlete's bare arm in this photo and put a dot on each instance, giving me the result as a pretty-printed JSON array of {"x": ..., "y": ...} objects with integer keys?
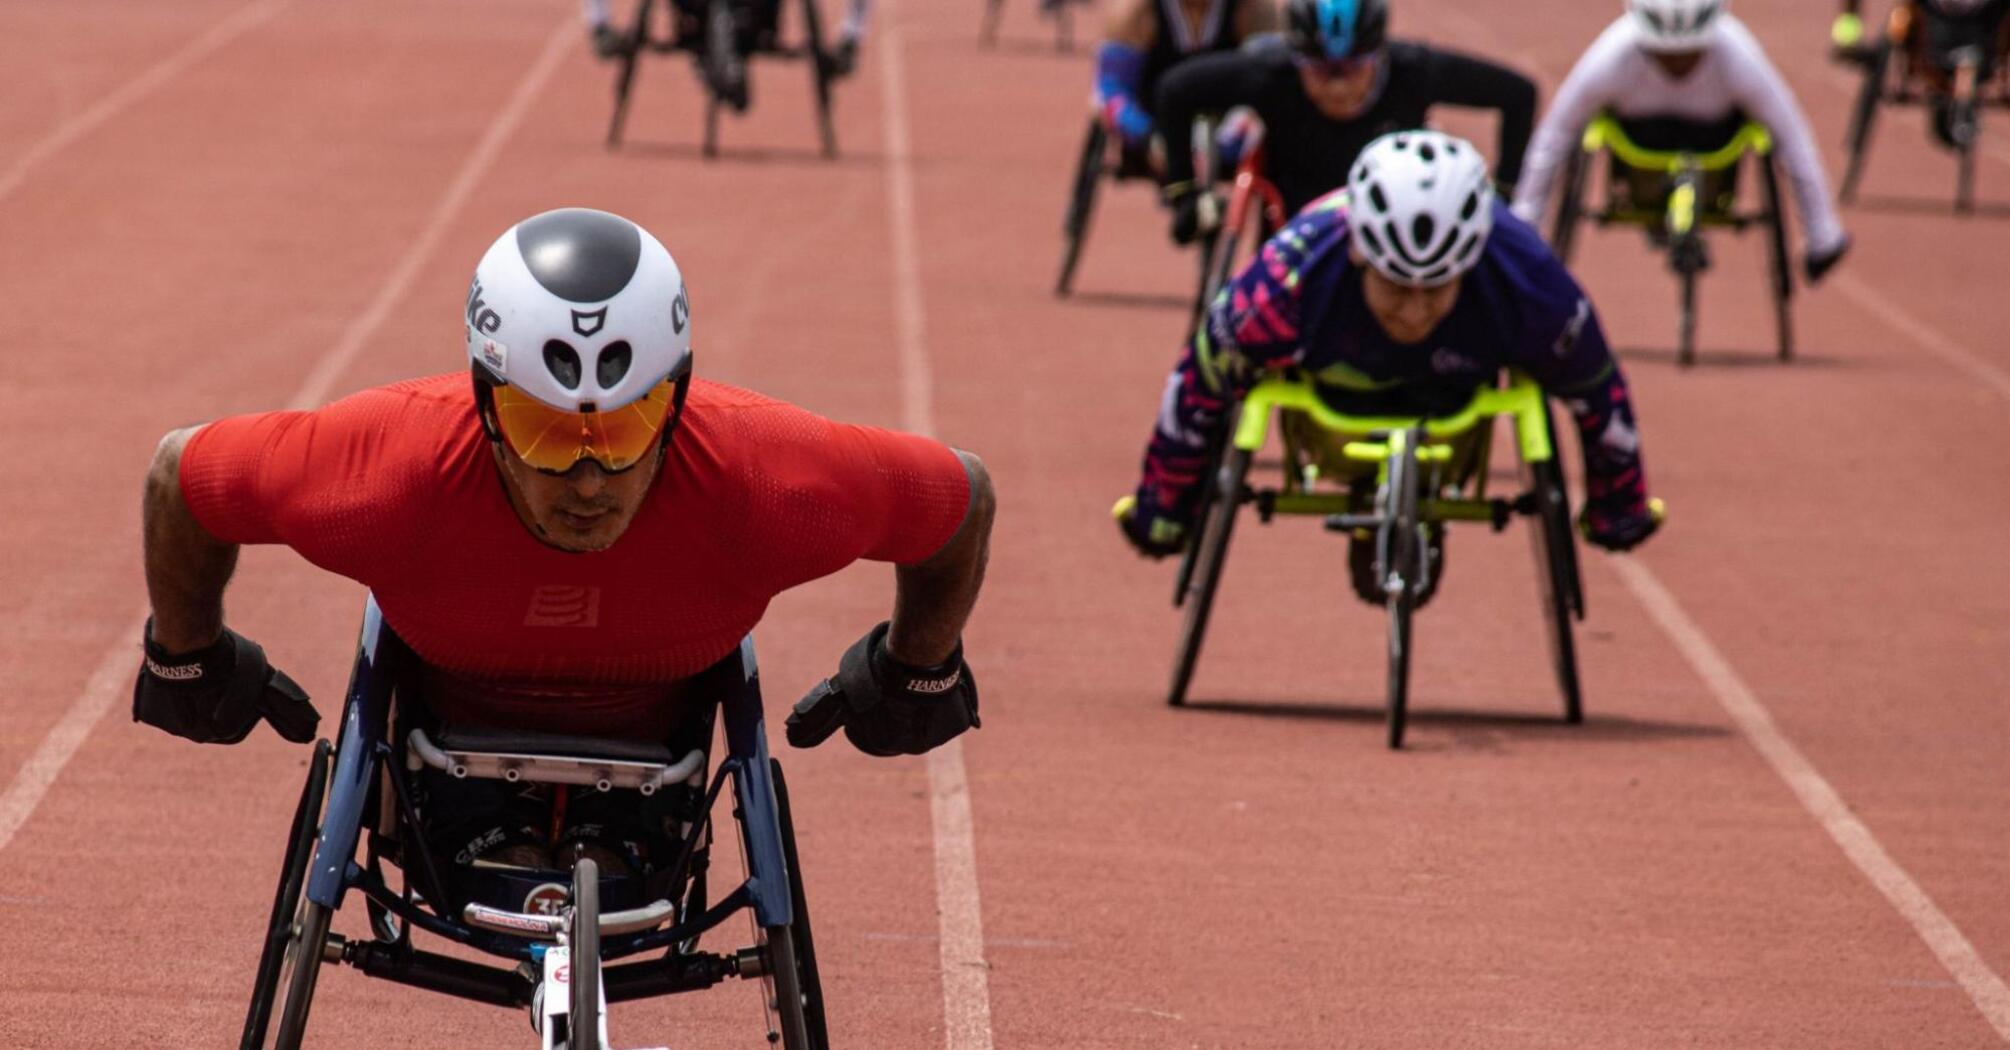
[
  {"x": 933, "y": 599},
  {"x": 186, "y": 567},
  {"x": 1133, "y": 22}
]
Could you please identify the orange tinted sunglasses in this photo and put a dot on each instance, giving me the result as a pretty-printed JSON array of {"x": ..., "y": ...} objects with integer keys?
[{"x": 554, "y": 440}]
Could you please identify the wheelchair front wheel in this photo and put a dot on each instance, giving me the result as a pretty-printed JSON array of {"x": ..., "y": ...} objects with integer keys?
[
  {"x": 582, "y": 938},
  {"x": 303, "y": 968},
  {"x": 1863, "y": 118},
  {"x": 1401, "y": 573},
  {"x": 286, "y": 903},
  {"x": 1210, "y": 551},
  {"x": 1081, "y": 205}
]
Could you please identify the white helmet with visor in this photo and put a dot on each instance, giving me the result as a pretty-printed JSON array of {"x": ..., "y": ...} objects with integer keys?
[
  {"x": 579, "y": 337},
  {"x": 1676, "y": 25}
]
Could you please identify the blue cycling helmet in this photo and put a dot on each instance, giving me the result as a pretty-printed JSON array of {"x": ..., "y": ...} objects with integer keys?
[{"x": 1335, "y": 29}]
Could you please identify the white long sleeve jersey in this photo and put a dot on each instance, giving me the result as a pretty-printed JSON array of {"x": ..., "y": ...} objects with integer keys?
[{"x": 1617, "y": 76}]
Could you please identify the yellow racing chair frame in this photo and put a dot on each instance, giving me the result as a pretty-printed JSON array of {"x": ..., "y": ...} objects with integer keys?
[
  {"x": 1413, "y": 492},
  {"x": 1685, "y": 213}
]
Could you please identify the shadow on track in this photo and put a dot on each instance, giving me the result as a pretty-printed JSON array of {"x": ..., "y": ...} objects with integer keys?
[
  {"x": 1896, "y": 205},
  {"x": 1594, "y": 728},
  {"x": 780, "y": 156},
  {"x": 1134, "y": 300},
  {"x": 1708, "y": 358}
]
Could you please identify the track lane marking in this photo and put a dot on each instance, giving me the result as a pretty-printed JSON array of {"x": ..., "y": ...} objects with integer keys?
[
  {"x": 106, "y": 684},
  {"x": 241, "y": 21},
  {"x": 1984, "y": 987},
  {"x": 966, "y": 982}
]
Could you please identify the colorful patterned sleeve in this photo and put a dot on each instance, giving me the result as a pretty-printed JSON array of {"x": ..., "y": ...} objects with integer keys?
[{"x": 1251, "y": 327}]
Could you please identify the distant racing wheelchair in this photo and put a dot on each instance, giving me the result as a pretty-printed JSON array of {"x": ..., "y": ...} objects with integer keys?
[
  {"x": 1379, "y": 324},
  {"x": 1675, "y": 179},
  {"x": 362, "y": 819},
  {"x": 1952, "y": 56}
]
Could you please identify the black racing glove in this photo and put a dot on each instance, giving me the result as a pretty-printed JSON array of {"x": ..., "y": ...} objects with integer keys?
[
  {"x": 216, "y": 694},
  {"x": 887, "y": 707}
]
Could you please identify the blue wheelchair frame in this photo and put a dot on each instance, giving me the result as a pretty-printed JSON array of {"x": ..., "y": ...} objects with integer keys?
[{"x": 363, "y": 753}]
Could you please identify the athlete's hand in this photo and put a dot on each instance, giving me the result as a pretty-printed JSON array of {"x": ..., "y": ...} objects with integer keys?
[
  {"x": 1620, "y": 526},
  {"x": 1183, "y": 200},
  {"x": 1152, "y": 533},
  {"x": 214, "y": 695},
  {"x": 887, "y": 707},
  {"x": 1818, "y": 264}
]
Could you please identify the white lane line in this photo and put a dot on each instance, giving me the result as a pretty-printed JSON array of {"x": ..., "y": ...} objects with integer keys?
[
  {"x": 1821, "y": 799},
  {"x": 1928, "y": 337},
  {"x": 115, "y": 669},
  {"x": 239, "y": 22},
  {"x": 966, "y": 981}
]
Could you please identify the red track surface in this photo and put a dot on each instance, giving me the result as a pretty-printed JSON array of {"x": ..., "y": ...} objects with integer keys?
[{"x": 1256, "y": 873}]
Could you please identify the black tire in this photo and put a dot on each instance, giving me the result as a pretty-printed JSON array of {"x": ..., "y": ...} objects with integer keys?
[
  {"x": 1863, "y": 119},
  {"x": 1207, "y": 247},
  {"x": 820, "y": 77},
  {"x": 582, "y": 936},
  {"x": 637, "y": 38},
  {"x": 1081, "y": 204},
  {"x": 1964, "y": 165},
  {"x": 303, "y": 968},
  {"x": 1778, "y": 260},
  {"x": 1203, "y": 506},
  {"x": 1563, "y": 237},
  {"x": 1685, "y": 345},
  {"x": 1399, "y": 543},
  {"x": 815, "y": 1030},
  {"x": 286, "y": 901},
  {"x": 1555, "y": 545},
  {"x": 1211, "y": 552}
]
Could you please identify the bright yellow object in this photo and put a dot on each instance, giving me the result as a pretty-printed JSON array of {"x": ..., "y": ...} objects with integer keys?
[
  {"x": 1847, "y": 32},
  {"x": 1605, "y": 133}
]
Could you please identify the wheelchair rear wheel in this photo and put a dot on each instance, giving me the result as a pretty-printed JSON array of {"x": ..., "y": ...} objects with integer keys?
[
  {"x": 1081, "y": 204},
  {"x": 1210, "y": 550},
  {"x": 286, "y": 902},
  {"x": 809, "y": 990},
  {"x": 1778, "y": 260},
  {"x": 1555, "y": 548},
  {"x": 820, "y": 77},
  {"x": 1570, "y": 209},
  {"x": 1863, "y": 117},
  {"x": 582, "y": 938},
  {"x": 1401, "y": 553}
]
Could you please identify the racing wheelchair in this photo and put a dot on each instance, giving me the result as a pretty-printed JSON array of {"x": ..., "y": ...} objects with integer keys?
[
  {"x": 1675, "y": 195},
  {"x": 726, "y": 31},
  {"x": 1426, "y": 472},
  {"x": 1250, "y": 212},
  {"x": 358, "y": 822},
  {"x": 1901, "y": 68}
]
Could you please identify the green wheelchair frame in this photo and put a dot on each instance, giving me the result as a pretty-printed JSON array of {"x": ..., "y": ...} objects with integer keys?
[
  {"x": 1686, "y": 215},
  {"x": 1412, "y": 494}
]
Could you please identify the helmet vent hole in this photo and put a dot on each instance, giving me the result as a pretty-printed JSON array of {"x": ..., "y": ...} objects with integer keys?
[
  {"x": 1377, "y": 198},
  {"x": 1427, "y": 153},
  {"x": 1423, "y": 229},
  {"x": 1373, "y": 242},
  {"x": 1471, "y": 208},
  {"x": 613, "y": 364},
  {"x": 562, "y": 362}
]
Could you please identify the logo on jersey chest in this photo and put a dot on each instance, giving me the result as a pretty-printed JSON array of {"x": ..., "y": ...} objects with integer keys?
[{"x": 563, "y": 605}]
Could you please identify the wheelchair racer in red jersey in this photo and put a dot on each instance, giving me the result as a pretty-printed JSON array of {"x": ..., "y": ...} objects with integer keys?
[
  {"x": 1401, "y": 294},
  {"x": 564, "y": 531},
  {"x": 1144, "y": 39}
]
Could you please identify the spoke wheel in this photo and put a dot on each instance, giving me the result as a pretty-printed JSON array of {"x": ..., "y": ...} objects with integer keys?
[
  {"x": 1211, "y": 550},
  {"x": 582, "y": 940},
  {"x": 279, "y": 927}
]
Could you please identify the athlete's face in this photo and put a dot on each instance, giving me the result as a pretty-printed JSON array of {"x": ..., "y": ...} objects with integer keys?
[
  {"x": 1339, "y": 90},
  {"x": 1407, "y": 314},
  {"x": 584, "y": 509}
]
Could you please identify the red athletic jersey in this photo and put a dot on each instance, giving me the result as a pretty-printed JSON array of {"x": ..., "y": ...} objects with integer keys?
[{"x": 396, "y": 488}]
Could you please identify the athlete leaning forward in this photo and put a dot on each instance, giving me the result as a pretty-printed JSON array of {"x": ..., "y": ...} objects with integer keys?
[{"x": 563, "y": 534}]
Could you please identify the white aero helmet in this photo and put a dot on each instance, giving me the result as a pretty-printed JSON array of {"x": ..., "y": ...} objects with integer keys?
[
  {"x": 1420, "y": 206},
  {"x": 1676, "y": 25},
  {"x": 579, "y": 336}
]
